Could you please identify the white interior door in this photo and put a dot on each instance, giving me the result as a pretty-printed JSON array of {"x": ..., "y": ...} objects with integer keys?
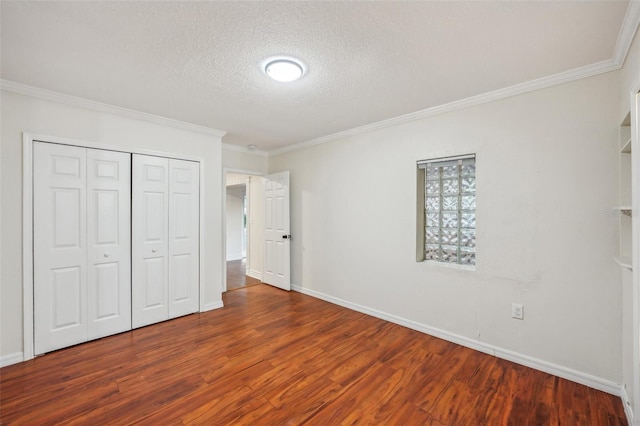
[
  {"x": 108, "y": 242},
  {"x": 184, "y": 237},
  {"x": 150, "y": 215},
  {"x": 277, "y": 238},
  {"x": 59, "y": 246}
]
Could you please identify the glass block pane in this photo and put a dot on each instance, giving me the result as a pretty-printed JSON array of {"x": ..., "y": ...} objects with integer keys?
[
  {"x": 468, "y": 237},
  {"x": 450, "y": 203},
  {"x": 468, "y": 170},
  {"x": 449, "y": 220},
  {"x": 450, "y": 186},
  {"x": 467, "y": 257},
  {"x": 433, "y": 173},
  {"x": 433, "y": 235},
  {"x": 468, "y": 202},
  {"x": 468, "y": 220},
  {"x": 433, "y": 219},
  {"x": 449, "y": 254},
  {"x": 468, "y": 184},
  {"x": 450, "y": 237},
  {"x": 450, "y": 172},
  {"x": 433, "y": 203},
  {"x": 431, "y": 252},
  {"x": 433, "y": 187}
]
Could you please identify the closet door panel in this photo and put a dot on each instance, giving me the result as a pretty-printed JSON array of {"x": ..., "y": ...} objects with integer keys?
[
  {"x": 59, "y": 249},
  {"x": 184, "y": 237},
  {"x": 109, "y": 242},
  {"x": 150, "y": 215}
]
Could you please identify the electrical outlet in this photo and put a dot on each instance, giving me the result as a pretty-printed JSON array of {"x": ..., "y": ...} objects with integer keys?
[{"x": 517, "y": 311}]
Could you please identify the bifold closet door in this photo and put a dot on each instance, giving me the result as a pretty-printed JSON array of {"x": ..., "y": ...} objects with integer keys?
[
  {"x": 108, "y": 242},
  {"x": 166, "y": 239},
  {"x": 150, "y": 245},
  {"x": 81, "y": 244},
  {"x": 59, "y": 246},
  {"x": 184, "y": 237}
]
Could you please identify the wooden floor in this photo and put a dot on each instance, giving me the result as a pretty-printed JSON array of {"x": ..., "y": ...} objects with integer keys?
[
  {"x": 237, "y": 275},
  {"x": 271, "y": 357}
]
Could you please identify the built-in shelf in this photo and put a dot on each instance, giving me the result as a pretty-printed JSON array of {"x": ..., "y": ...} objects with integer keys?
[
  {"x": 623, "y": 261},
  {"x": 624, "y": 209},
  {"x": 623, "y": 257}
]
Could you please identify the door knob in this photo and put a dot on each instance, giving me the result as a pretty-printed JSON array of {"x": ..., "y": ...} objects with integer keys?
[
  {"x": 153, "y": 250},
  {"x": 106, "y": 255},
  {"x": 287, "y": 237}
]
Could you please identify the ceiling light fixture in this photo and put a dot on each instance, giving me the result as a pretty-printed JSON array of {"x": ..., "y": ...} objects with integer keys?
[{"x": 284, "y": 70}]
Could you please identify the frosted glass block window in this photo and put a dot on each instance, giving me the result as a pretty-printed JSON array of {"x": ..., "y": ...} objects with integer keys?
[{"x": 450, "y": 209}]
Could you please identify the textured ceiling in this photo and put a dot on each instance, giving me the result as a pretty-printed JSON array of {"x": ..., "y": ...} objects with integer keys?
[{"x": 200, "y": 62}]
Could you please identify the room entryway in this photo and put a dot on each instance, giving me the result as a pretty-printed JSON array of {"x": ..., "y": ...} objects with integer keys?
[
  {"x": 244, "y": 217},
  {"x": 237, "y": 275}
]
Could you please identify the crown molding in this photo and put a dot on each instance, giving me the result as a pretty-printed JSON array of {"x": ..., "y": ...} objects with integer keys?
[
  {"x": 49, "y": 95},
  {"x": 623, "y": 44},
  {"x": 244, "y": 150},
  {"x": 627, "y": 32},
  {"x": 518, "y": 89}
]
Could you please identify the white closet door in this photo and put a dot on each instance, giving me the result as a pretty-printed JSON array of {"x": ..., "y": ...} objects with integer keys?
[
  {"x": 184, "y": 237},
  {"x": 59, "y": 247},
  {"x": 109, "y": 242},
  {"x": 150, "y": 212}
]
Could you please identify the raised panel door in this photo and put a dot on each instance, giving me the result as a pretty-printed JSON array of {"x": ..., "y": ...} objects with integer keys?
[
  {"x": 184, "y": 237},
  {"x": 150, "y": 215},
  {"x": 109, "y": 242},
  {"x": 59, "y": 249}
]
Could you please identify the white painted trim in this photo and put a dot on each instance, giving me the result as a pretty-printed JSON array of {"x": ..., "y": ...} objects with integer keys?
[
  {"x": 213, "y": 305},
  {"x": 623, "y": 44},
  {"x": 627, "y": 32},
  {"x": 98, "y": 145},
  {"x": 244, "y": 150},
  {"x": 27, "y": 220},
  {"x": 36, "y": 92},
  {"x": 518, "y": 89},
  {"x": 11, "y": 359},
  {"x": 202, "y": 305},
  {"x": 581, "y": 377},
  {"x": 557, "y": 370},
  {"x": 634, "y": 100},
  {"x": 626, "y": 403},
  {"x": 226, "y": 170},
  {"x": 255, "y": 274},
  {"x": 27, "y": 247}
]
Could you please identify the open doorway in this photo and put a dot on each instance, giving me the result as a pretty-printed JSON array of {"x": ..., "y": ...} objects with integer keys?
[{"x": 244, "y": 211}]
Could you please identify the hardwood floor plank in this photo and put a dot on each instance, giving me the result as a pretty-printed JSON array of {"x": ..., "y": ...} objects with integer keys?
[{"x": 271, "y": 357}]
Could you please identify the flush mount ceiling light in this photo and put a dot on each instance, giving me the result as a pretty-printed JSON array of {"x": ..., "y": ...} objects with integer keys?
[{"x": 284, "y": 70}]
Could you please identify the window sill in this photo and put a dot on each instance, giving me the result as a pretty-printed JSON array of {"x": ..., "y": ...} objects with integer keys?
[{"x": 435, "y": 265}]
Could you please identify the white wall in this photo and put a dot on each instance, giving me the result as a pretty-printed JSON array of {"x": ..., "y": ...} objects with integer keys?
[
  {"x": 22, "y": 113},
  {"x": 237, "y": 160},
  {"x": 235, "y": 215},
  {"x": 546, "y": 173}
]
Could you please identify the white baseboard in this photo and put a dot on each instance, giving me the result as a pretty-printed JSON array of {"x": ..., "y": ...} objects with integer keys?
[
  {"x": 10, "y": 359},
  {"x": 626, "y": 403},
  {"x": 237, "y": 256},
  {"x": 212, "y": 306},
  {"x": 538, "y": 364},
  {"x": 255, "y": 274}
]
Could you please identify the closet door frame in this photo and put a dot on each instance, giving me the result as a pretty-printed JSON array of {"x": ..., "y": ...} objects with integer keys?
[{"x": 27, "y": 220}]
